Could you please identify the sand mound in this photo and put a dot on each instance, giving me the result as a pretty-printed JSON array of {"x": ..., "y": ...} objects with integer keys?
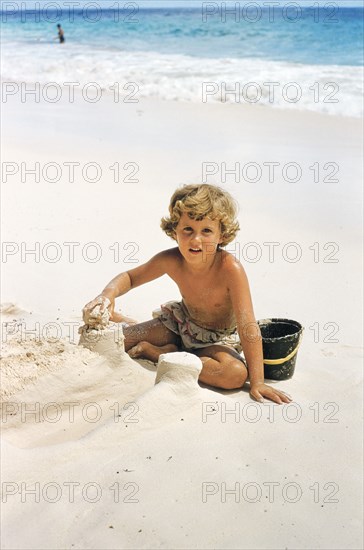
[
  {"x": 24, "y": 363},
  {"x": 55, "y": 391}
]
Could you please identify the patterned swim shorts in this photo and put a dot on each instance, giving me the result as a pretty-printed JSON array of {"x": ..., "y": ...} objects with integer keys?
[{"x": 175, "y": 317}]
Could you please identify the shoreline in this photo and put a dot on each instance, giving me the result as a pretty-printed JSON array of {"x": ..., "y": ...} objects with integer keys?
[{"x": 55, "y": 93}]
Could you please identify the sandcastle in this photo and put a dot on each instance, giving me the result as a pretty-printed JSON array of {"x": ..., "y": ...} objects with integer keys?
[
  {"x": 100, "y": 335},
  {"x": 179, "y": 368}
]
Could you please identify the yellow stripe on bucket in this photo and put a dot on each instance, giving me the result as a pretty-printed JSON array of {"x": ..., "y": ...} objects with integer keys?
[{"x": 280, "y": 361}]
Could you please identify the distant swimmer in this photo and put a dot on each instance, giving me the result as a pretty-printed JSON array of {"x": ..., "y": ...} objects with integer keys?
[{"x": 60, "y": 34}]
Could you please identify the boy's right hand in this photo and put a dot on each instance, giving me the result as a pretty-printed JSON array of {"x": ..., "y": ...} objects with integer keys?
[
  {"x": 100, "y": 310},
  {"x": 96, "y": 314}
]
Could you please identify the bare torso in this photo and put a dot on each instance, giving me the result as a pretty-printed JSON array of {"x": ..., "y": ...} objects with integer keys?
[{"x": 206, "y": 296}]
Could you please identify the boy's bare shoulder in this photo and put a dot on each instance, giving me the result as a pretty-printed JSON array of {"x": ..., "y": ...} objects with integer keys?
[
  {"x": 169, "y": 256},
  {"x": 172, "y": 252},
  {"x": 231, "y": 265},
  {"x": 169, "y": 253},
  {"x": 229, "y": 261},
  {"x": 160, "y": 264},
  {"x": 168, "y": 261}
]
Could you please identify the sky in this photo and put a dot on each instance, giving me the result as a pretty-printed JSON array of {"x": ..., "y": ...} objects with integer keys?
[
  {"x": 354, "y": 3},
  {"x": 170, "y": 3}
]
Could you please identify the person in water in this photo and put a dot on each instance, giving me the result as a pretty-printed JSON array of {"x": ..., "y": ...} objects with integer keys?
[
  {"x": 60, "y": 34},
  {"x": 214, "y": 319}
]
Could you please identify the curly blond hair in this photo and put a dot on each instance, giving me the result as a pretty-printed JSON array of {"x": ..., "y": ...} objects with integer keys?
[{"x": 203, "y": 201}]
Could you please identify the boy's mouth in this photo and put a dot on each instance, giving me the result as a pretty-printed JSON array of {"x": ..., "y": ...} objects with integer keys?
[{"x": 195, "y": 250}]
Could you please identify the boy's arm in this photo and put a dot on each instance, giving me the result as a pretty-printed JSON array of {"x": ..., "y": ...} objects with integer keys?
[
  {"x": 249, "y": 333},
  {"x": 122, "y": 283}
]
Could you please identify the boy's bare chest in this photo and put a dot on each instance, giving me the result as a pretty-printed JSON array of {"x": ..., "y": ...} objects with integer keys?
[
  {"x": 207, "y": 300},
  {"x": 203, "y": 291}
]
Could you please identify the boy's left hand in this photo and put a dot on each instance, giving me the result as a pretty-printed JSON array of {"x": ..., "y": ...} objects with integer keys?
[{"x": 258, "y": 391}]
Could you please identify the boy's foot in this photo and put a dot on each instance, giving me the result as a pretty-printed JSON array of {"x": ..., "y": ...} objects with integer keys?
[{"x": 145, "y": 350}]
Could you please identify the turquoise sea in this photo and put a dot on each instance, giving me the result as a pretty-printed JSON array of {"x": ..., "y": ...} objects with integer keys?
[{"x": 170, "y": 51}]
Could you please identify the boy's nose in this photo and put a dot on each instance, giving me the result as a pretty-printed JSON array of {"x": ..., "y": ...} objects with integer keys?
[{"x": 196, "y": 239}]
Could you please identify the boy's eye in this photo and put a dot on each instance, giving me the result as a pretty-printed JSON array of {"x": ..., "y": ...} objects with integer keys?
[{"x": 205, "y": 230}]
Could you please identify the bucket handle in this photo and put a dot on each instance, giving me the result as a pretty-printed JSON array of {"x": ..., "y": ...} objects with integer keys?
[{"x": 280, "y": 361}]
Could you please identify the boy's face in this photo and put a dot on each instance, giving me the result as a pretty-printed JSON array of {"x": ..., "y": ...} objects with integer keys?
[{"x": 197, "y": 240}]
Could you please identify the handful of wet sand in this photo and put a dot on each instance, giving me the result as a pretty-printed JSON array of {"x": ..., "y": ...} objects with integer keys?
[{"x": 95, "y": 319}]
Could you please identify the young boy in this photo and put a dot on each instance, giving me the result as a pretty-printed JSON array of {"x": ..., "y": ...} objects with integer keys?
[{"x": 216, "y": 305}]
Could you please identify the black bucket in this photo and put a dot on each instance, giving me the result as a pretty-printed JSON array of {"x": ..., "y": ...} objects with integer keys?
[{"x": 281, "y": 340}]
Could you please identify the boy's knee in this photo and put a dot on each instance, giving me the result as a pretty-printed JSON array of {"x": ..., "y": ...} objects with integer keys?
[{"x": 234, "y": 376}]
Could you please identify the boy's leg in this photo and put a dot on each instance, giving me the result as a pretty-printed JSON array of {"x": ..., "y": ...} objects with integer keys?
[
  {"x": 149, "y": 340},
  {"x": 222, "y": 367}
]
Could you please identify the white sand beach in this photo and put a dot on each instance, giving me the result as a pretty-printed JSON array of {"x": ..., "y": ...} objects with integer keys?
[{"x": 113, "y": 459}]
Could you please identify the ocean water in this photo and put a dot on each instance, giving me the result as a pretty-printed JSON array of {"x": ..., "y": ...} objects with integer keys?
[{"x": 308, "y": 57}]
